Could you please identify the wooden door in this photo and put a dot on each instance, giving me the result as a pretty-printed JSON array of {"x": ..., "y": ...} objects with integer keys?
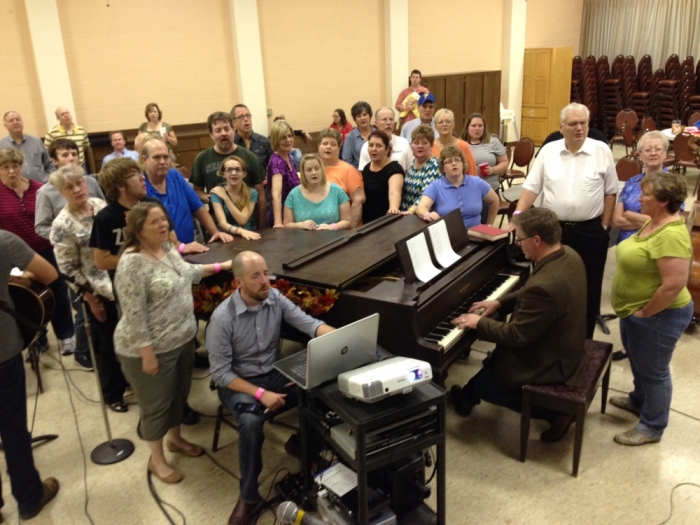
[
  {"x": 454, "y": 99},
  {"x": 436, "y": 85},
  {"x": 491, "y": 105}
]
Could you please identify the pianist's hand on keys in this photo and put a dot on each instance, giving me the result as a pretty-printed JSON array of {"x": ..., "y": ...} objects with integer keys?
[{"x": 476, "y": 312}]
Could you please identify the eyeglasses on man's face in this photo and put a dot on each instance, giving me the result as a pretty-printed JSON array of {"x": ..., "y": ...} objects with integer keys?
[{"x": 245, "y": 116}]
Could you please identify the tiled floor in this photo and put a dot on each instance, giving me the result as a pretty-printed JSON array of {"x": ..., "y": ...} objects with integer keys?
[{"x": 486, "y": 484}]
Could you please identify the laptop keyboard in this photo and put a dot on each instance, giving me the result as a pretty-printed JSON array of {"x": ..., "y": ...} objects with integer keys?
[{"x": 299, "y": 370}]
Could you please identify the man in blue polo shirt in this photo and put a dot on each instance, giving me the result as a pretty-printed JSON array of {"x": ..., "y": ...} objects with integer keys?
[{"x": 178, "y": 197}]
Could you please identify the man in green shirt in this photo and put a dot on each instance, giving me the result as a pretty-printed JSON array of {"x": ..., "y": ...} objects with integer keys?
[{"x": 205, "y": 171}]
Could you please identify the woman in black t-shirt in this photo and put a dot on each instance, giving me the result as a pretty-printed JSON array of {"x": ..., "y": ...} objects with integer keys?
[{"x": 383, "y": 179}]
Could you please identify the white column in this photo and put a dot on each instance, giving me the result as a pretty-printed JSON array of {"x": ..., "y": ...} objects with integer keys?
[
  {"x": 50, "y": 57},
  {"x": 395, "y": 48},
  {"x": 514, "y": 20},
  {"x": 248, "y": 56}
]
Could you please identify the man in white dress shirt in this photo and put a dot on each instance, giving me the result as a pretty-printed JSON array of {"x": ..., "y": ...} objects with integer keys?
[
  {"x": 576, "y": 179},
  {"x": 401, "y": 150}
]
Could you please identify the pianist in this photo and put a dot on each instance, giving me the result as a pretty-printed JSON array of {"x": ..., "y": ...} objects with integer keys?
[{"x": 543, "y": 342}]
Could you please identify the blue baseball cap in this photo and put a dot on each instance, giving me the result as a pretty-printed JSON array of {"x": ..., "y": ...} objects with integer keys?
[{"x": 426, "y": 97}]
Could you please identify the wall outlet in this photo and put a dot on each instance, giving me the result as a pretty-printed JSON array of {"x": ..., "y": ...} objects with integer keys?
[{"x": 269, "y": 112}]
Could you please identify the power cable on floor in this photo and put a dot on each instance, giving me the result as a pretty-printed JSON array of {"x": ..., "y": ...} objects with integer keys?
[{"x": 670, "y": 513}]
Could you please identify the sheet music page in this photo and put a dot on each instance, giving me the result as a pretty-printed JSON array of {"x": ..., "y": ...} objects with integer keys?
[
  {"x": 444, "y": 253},
  {"x": 420, "y": 258},
  {"x": 338, "y": 478}
]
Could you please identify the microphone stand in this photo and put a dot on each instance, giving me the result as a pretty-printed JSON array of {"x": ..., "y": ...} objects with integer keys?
[{"x": 112, "y": 450}]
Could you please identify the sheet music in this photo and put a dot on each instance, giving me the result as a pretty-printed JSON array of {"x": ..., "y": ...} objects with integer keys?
[
  {"x": 442, "y": 246},
  {"x": 338, "y": 478},
  {"x": 420, "y": 258}
]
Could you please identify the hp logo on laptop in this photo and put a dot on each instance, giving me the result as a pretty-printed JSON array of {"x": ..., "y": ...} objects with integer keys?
[{"x": 344, "y": 350}]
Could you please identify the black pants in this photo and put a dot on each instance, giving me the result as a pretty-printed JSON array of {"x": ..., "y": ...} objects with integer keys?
[
  {"x": 24, "y": 478},
  {"x": 482, "y": 386},
  {"x": 102, "y": 335},
  {"x": 590, "y": 240}
]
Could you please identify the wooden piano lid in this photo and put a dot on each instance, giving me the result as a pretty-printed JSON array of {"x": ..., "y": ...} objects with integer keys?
[{"x": 328, "y": 264}]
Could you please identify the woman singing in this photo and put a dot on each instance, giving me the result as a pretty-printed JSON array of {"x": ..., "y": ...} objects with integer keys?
[{"x": 154, "y": 339}]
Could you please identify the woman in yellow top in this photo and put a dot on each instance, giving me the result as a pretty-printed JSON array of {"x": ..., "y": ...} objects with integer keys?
[{"x": 654, "y": 306}]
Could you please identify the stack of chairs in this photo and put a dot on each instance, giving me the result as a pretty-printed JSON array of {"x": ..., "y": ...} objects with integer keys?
[
  {"x": 629, "y": 80},
  {"x": 655, "y": 102},
  {"x": 640, "y": 100},
  {"x": 610, "y": 96},
  {"x": 686, "y": 88},
  {"x": 694, "y": 101},
  {"x": 589, "y": 87},
  {"x": 668, "y": 108},
  {"x": 576, "y": 75}
]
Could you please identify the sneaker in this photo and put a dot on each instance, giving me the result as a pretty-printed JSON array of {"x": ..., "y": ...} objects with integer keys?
[
  {"x": 50, "y": 491},
  {"x": 635, "y": 438},
  {"x": 84, "y": 361},
  {"x": 623, "y": 402},
  {"x": 68, "y": 346}
]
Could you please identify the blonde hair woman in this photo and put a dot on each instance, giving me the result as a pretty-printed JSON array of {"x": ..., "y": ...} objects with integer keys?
[
  {"x": 316, "y": 204},
  {"x": 234, "y": 202},
  {"x": 445, "y": 125},
  {"x": 281, "y": 175}
]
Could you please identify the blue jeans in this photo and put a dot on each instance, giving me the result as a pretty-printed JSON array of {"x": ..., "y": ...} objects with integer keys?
[
  {"x": 24, "y": 478},
  {"x": 250, "y": 429},
  {"x": 62, "y": 320},
  {"x": 650, "y": 343},
  {"x": 296, "y": 157}
]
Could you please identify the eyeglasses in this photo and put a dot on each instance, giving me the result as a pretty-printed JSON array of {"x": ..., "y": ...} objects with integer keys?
[
  {"x": 246, "y": 116},
  {"x": 10, "y": 167},
  {"x": 520, "y": 241},
  {"x": 449, "y": 162},
  {"x": 652, "y": 150},
  {"x": 133, "y": 174},
  {"x": 233, "y": 170},
  {"x": 574, "y": 125}
]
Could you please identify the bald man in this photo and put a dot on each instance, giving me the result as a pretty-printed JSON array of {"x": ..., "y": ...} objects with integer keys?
[
  {"x": 37, "y": 163},
  {"x": 67, "y": 129},
  {"x": 243, "y": 343}
]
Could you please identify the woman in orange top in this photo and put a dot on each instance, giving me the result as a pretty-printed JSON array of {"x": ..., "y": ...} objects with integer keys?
[{"x": 445, "y": 124}]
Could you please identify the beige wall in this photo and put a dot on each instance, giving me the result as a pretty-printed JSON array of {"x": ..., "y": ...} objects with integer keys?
[
  {"x": 454, "y": 36},
  {"x": 554, "y": 23},
  {"x": 19, "y": 87},
  {"x": 318, "y": 56},
  {"x": 131, "y": 53}
]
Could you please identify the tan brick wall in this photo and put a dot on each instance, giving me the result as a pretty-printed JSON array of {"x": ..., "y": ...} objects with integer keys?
[
  {"x": 454, "y": 36},
  {"x": 554, "y": 23},
  {"x": 121, "y": 57},
  {"x": 19, "y": 87},
  {"x": 321, "y": 55}
]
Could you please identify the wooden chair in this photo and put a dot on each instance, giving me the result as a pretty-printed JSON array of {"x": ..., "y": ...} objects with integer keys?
[
  {"x": 522, "y": 156},
  {"x": 693, "y": 118},
  {"x": 626, "y": 117},
  {"x": 570, "y": 400},
  {"x": 685, "y": 158},
  {"x": 506, "y": 209},
  {"x": 627, "y": 167}
]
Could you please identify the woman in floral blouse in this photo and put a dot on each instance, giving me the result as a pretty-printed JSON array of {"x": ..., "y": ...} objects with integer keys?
[
  {"x": 70, "y": 236},
  {"x": 154, "y": 339}
]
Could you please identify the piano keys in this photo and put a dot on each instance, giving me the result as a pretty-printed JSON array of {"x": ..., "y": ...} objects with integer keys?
[{"x": 365, "y": 267}]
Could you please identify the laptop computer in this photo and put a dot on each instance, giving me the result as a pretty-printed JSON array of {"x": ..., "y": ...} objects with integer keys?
[{"x": 329, "y": 355}]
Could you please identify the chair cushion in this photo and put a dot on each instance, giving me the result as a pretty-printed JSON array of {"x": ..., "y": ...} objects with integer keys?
[{"x": 598, "y": 356}]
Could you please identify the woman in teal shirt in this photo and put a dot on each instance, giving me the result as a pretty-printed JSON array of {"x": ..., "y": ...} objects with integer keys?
[
  {"x": 234, "y": 202},
  {"x": 316, "y": 204},
  {"x": 654, "y": 306}
]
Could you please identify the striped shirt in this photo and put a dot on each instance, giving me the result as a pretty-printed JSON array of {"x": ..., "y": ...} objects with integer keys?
[
  {"x": 17, "y": 215},
  {"x": 77, "y": 135}
]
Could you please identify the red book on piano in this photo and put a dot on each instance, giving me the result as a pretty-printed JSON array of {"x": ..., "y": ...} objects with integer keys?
[{"x": 487, "y": 233}]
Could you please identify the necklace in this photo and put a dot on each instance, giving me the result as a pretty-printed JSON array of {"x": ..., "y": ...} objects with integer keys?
[{"x": 166, "y": 256}]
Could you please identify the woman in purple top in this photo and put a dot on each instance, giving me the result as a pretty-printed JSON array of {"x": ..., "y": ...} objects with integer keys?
[{"x": 282, "y": 177}]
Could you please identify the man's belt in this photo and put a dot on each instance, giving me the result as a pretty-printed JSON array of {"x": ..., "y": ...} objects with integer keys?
[{"x": 581, "y": 224}]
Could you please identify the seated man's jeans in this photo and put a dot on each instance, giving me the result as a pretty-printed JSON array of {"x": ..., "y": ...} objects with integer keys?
[{"x": 250, "y": 429}]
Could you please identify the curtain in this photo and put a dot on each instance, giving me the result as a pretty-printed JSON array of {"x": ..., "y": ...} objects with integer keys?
[{"x": 659, "y": 28}]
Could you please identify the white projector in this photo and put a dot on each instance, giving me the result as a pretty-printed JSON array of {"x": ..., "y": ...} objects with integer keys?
[{"x": 377, "y": 381}]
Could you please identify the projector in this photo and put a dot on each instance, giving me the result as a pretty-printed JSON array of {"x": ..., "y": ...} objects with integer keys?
[{"x": 377, "y": 381}]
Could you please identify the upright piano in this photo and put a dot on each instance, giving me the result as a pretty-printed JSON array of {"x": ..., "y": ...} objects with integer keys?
[{"x": 371, "y": 276}]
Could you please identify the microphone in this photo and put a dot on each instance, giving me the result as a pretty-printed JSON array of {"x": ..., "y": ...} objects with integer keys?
[{"x": 288, "y": 512}]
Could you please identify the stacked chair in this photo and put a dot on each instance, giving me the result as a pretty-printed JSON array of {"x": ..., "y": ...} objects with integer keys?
[
  {"x": 686, "y": 88},
  {"x": 576, "y": 75},
  {"x": 589, "y": 87}
]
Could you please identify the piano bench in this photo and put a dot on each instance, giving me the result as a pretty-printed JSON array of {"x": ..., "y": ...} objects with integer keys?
[
  {"x": 222, "y": 416},
  {"x": 570, "y": 400}
]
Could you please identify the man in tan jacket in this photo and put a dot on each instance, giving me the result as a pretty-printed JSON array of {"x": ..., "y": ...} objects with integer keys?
[{"x": 543, "y": 342}]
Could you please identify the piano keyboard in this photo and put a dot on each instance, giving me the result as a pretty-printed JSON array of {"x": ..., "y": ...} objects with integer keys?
[{"x": 446, "y": 334}]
